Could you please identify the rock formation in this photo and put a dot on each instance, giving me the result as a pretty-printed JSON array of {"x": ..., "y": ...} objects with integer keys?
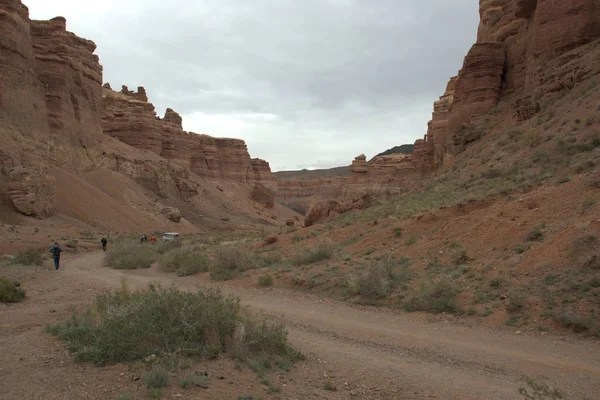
[
  {"x": 359, "y": 165},
  {"x": 172, "y": 214},
  {"x": 129, "y": 117},
  {"x": 324, "y": 209},
  {"x": 58, "y": 119},
  {"x": 32, "y": 192},
  {"x": 527, "y": 53}
]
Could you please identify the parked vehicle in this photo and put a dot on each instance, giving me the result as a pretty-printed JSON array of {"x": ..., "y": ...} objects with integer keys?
[{"x": 170, "y": 236}]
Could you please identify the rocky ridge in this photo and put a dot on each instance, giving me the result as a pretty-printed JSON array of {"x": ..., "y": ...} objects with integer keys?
[
  {"x": 527, "y": 54},
  {"x": 57, "y": 122}
]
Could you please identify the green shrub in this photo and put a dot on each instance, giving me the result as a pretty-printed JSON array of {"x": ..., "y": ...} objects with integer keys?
[
  {"x": 265, "y": 280},
  {"x": 129, "y": 255},
  {"x": 230, "y": 261},
  {"x": 540, "y": 391},
  {"x": 516, "y": 300},
  {"x": 460, "y": 257},
  {"x": 575, "y": 322},
  {"x": 128, "y": 326},
  {"x": 436, "y": 297},
  {"x": 329, "y": 386},
  {"x": 379, "y": 280},
  {"x": 324, "y": 250},
  {"x": 520, "y": 249},
  {"x": 157, "y": 377},
  {"x": 398, "y": 232},
  {"x": 29, "y": 257},
  {"x": 183, "y": 261},
  {"x": 9, "y": 293},
  {"x": 411, "y": 240},
  {"x": 194, "y": 381},
  {"x": 536, "y": 235},
  {"x": 164, "y": 246}
]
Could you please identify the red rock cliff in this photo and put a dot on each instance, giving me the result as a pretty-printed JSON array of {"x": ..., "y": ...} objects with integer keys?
[
  {"x": 129, "y": 117},
  {"x": 527, "y": 53}
]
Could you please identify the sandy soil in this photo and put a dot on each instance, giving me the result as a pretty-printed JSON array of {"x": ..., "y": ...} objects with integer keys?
[{"x": 367, "y": 353}]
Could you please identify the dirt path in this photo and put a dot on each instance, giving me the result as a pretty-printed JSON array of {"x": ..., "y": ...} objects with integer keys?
[{"x": 390, "y": 349}]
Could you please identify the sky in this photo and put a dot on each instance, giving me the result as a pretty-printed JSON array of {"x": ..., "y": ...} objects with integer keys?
[{"x": 307, "y": 84}]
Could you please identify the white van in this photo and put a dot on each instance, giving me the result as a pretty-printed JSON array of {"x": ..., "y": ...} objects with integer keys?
[{"x": 170, "y": 236}]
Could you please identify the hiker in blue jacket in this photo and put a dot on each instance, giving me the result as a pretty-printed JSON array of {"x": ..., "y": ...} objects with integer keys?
[{"x": 56, "y": 250}]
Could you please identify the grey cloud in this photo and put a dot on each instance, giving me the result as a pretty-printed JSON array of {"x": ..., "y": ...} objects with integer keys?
[{"x": 343, "y": 77}]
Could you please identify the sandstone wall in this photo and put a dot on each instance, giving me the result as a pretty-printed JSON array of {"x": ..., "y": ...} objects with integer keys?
[
  {"x": 527, "y": 53},
  {"x": 54, "y": 112},
  {"x": 129, "y": 117}
]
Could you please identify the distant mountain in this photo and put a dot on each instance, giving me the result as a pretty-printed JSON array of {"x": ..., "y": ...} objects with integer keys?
[
  {"x": 312, "y": 174},
  {"x": 404, "y": 149}
]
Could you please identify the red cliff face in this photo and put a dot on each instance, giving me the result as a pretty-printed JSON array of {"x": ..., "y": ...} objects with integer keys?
[
  {"x": 528, "y": 52},
  {"x": 72, "y": 76},
  {"x": 54, "y": 112},
  {"x": 129, "y": 117}
]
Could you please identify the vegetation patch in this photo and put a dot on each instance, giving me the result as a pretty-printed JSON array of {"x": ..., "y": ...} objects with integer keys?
[
  {"x": 435, "y": 297},
  {"x": 129, "y": 255},
  {"x": 265, "y": 280},
  {"x": 324, "y": 250},
  {"x": 129, "y": 326},
  {"x": 157, "y": 377},
  {"x": 183, "y": 261},
  {"x": 9, "y": 292},
  {"x": 379, "y": 279},
  {"x": 230, "y": 261},
  {"x": 29, "y": 257},
  {"x": 165, "y": 246}
]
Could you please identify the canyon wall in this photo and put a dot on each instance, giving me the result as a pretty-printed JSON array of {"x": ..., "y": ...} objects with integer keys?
[
  {"x": 129, "y": 117},
  {"x": 528, "y": 52},
  {"x": 57, "y": 119}
]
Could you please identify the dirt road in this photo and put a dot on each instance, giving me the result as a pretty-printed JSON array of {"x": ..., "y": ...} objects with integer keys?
[{"x": 426, "y": 359}]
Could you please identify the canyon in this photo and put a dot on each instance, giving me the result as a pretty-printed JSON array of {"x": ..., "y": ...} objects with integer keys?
[
  {"x": 75, "y": 152},
  {"x": 528, "y": 54}
]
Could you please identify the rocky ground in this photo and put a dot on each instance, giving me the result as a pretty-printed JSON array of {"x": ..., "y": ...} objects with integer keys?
[{"x": 358, "y": 352}]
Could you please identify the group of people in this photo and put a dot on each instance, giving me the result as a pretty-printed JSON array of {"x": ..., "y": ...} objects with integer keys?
[
  {"x": 144, "y": 239},
  {"x": 56, "y": 249}
]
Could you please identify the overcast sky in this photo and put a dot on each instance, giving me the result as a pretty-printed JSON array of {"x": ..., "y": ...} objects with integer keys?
[{"x": 307, "y": 84}]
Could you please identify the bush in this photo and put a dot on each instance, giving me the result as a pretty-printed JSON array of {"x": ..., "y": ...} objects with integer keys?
[
  {"x": 265, "y": 280},
  {"x": 230, "y": 261},
  {"x": 194, "y": 381},
  {"x": 411, "y": 240},
  {"x": 165, "y": 246},
  {"x": 460, "y": 257},
  {"x": 129, "y": 255},
  {"x": 184, "y": 262},
  {"x": 157, "y": 378},
  {"x": 379, "y": 280},
  {"x": 435, "y": 298},
  {"x": 128, "y": 326},
  {"x": 29, "y": 257},
  {"x": 9, "y": 293},
  {"x": 535, "y": 235},
  {"x": 540, "y": 391},
  {"x": 329, "y": 386},
  {"x": 324, "y": 250},
  {"x": 575, "y": 322},
  {"x": 516, "y": 300}
]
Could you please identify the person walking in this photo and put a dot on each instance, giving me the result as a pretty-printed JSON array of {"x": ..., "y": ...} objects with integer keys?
[
  {"x": 56, "y": 250},
  {"x": 153, "y": 239},
  {"x": 104, "y": 241}
]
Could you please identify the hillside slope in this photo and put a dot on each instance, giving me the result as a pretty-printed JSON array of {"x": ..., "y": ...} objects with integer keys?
[{"x": 77, "y": 154}]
